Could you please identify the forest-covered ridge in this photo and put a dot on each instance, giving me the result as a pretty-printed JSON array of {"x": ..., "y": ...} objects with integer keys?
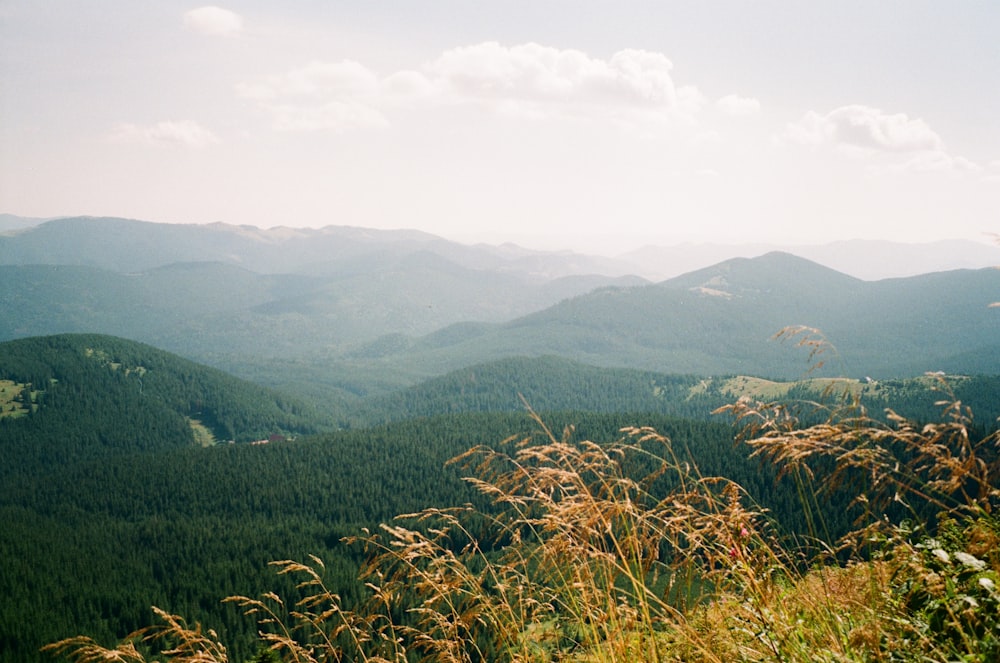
[
  {"x": 350, "y": 311},
  {"x": 551, "y": 383},
  {"x": 87, "y": 382},
  {"x": 76, "y": 393},
  {"x": 105, "y": 453},
  {"x": 132, "y": 245},
  {"x": 89, "y": 544}
]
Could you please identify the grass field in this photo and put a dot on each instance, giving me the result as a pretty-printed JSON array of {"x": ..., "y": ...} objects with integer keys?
[
  {"x": 10, "y": 399},
  {"x": 203, "y": 437}
]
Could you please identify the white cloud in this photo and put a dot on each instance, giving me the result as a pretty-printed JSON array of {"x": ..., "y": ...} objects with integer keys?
[
  {"x": 408, "y": 87},
  {"x": 733, "y": 104},
  {"x": 865, "y": 128},
  {"x": 184, "y": 133},
  {"x": 893, "y": 142},
  {"x": 213, "y": 21},
  {"x": 528, "y": 80},
  {"x": 561, "y": 79}
]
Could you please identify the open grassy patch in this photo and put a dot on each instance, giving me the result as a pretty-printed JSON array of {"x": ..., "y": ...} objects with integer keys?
[
  {"x": 11, "y": 400},
  {"x": 203, "y": 437},
  {"x": 765, "y": 390}
]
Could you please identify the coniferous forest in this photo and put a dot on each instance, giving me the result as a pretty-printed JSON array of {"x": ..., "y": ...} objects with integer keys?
[{"x": 134, "y": 478}]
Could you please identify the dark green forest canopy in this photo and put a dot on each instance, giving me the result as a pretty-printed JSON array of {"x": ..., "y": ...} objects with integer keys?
[
  {"x": 90, "y": 545},
  {"x": 94, "y": 392},
  {"x": 110, "y": 507}
]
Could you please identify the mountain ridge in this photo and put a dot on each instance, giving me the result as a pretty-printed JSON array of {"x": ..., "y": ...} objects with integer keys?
[
  {"x": 260, "y": 249},
  {"x": 879, "y": 328},
  {"x": 397, "y": 308}
]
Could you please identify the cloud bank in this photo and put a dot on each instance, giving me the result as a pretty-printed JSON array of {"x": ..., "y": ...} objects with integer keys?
[
  {"x": 865, "y": 128},
  {"x": 897, "y": 141},
  {"x": 527, "y": 79},
  {"x": 213, "y": 21}
]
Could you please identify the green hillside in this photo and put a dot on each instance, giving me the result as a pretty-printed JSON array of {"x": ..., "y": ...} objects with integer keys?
[
  {"x": 722, "y": 320},
  {"x": 224, "y": 313},
  {"x": 89, "y": 545},
  {"x": 339, "y": 314},
  {"x": 110, "y": 505},
  {"x": 551, "y": 383},
  {"x": 92, "y": 395}
]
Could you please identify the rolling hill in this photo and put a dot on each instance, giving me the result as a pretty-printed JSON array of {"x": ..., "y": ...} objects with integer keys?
[
  {"x": 223, "y": 293},
  {"x": 116, "y": 493},
  {"x": 85, "y": 396},
  {"x": 341, "y": 313},
  {"x": 129, "y": 245},
  {"x": 111, "y": 505},
  {"x": 722, "y": 320}
]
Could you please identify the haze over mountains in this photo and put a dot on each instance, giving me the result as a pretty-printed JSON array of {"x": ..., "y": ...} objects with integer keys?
[
  {"x": 129, "y": 245},
  {"x": 355, "y": 311},
  {"x": 391, "y": 352}
]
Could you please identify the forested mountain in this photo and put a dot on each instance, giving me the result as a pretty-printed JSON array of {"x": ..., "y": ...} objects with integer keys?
[
  {"x": 110, "y": 506},
  {"x": 396, "y": 351},
  {"x": 310, "y": 334},
  {"x": 722, "y": 320},
  {"x": 128, "y": 245},
  {"x": 552, "y": 383},
  {"x": 344, "y": 313},
  {"x": 92, "y": 540},
  {"x": 75, "y": 397},
  {"x": 223, "y": 293},
  {"x": 871, "y": 260}
]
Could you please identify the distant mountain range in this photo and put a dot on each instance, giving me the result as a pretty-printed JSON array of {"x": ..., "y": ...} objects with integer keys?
[
  {"x": 403, "y": 350},
  {"x": 128, "y": 245},
  {"x": 354, "y": 311},
  {"x": 722, "y": 320}
]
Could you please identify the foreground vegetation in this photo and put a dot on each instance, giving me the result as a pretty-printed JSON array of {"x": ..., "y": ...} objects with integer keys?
[{"x": 626, "y": 551}]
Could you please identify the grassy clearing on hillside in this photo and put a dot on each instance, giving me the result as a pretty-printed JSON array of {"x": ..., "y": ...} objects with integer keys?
[
  {"x": 747, "y": 386},
  {"x": 203, "y": 437},
  {"x": 11, "y": 401}
]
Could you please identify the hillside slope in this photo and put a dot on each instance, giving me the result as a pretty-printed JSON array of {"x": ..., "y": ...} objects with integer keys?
[
  {"x": 72, "y": 397},
  {"x": 130, "y": 245},
  {"x": 723, "y": 319},
  {"x": 363, "y": 311}
]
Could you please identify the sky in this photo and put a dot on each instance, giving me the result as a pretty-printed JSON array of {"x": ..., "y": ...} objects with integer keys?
[{"x": 582, "y": 125}]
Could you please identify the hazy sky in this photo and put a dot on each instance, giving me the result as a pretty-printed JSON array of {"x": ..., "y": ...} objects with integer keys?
[{"x": 595, "y": 126}]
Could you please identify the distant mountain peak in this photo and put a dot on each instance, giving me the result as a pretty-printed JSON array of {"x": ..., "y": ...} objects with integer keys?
[
  {"x": 772, "y": 272},
  {"x": 870, "y": 260}
]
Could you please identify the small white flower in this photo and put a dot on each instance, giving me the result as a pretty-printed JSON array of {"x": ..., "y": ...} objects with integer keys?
[
  {"x": 941, "y": 555},
  {"x": 970, "y": 560},
  {"x": 987, "y": 584}
]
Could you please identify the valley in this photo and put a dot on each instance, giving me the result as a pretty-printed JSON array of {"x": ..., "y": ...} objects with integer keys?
[{"x": 219, "y": 397}]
